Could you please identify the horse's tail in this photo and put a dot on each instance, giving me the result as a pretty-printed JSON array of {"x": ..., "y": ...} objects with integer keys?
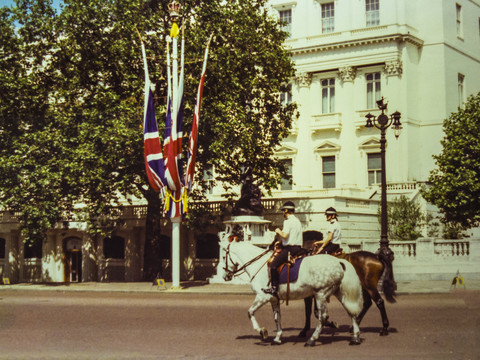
[
  {"x": 388, "y": 285},
  {"x": 350, "y": 289}
]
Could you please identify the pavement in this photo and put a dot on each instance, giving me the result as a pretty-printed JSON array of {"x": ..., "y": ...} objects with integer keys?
[{"x": 204, "y": 287}]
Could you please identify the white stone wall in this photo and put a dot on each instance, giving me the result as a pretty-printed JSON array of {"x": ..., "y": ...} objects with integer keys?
[{"x": 419, "y": 55}]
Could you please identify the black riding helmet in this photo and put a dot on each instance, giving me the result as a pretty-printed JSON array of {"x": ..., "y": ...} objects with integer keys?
[
  {"x": 289, "y": 205},
  {"x": 331, "y": 211}
]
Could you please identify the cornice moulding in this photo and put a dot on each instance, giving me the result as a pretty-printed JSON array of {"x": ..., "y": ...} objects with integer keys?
[{"x": 406, "y": 38}]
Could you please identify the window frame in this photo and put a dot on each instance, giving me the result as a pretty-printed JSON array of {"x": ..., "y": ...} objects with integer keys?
[
  {"x": 371, "y": 103},
  {"x": 461, "y": 89},
  {"x": 329, "y": 88},
  {"x": 289, "y": 19},
  {"x": 286, "y": 184},
  {"x": 458, "y": 19},
  {"x": 372, "y": 16},
  {"x": 209, "y": 180},
  {"x": 377, "y": 172},
  {"x": 328, "y": 23},
  {"x": 329, "y": 172}
]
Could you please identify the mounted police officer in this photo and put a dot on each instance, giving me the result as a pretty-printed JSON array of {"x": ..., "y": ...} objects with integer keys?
[
  {"x": 334, "y": 234},
  {"x": 291, "y": 243}
]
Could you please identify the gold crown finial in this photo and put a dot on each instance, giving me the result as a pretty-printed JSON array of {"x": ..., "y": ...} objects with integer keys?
[{"x": 174, "y": 9}]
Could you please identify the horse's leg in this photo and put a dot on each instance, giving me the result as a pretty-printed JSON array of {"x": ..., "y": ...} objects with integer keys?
[
  {"x": 322, "y": 316},
  {"x": 376, "y": 297},
  {"x": 278, "y": 322},
  {"x": 356, "y": 332},
  {"x": 367, "y": 302},
  {"x": 308, "y": 313},
  {"x": 381, "y": 306},
  {"x": 258, "y": 303}
]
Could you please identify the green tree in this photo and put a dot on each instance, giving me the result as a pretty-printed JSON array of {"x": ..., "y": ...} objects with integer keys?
[
  {"x": 31, "y": 172},
  {"x": 405, "y": 219},
  {"x": 73, "y": 120},
  {"x": 453, "y": 186}
]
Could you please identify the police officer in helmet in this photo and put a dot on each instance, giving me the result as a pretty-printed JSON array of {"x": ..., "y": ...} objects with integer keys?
[
  {"x": 334, "y": 234},
  {"x": 291, "y": 242}
]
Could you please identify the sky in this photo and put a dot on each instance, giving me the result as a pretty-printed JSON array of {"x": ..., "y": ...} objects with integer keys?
[{"x": 12, "y": 2}]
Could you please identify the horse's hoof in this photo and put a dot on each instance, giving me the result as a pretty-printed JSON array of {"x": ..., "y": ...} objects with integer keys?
[
  {"x": 355, "y": 341},
  {"x": 310, "y": 342},
  {"x": 384, "y": 332},
  {"x": 276, "y": 342},
  {"x": 332, "y": 324},
  {"x": 264, "y": 334}
]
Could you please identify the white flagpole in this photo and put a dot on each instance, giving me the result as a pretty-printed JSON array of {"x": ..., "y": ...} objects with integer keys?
[{"x": 176, "y": 221}]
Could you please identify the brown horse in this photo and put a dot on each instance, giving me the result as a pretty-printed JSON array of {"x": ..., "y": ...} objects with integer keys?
[{"x": 369, "y": 267}]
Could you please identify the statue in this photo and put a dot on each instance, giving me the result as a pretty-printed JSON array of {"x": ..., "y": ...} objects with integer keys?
[{"x": 250, "y": 196}]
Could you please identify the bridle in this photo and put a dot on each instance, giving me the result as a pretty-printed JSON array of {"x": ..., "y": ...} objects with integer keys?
[{"x": 237, "y": 271}]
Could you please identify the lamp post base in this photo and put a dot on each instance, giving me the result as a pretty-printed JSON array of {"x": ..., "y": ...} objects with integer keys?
[{"x": 384, "y": 252}]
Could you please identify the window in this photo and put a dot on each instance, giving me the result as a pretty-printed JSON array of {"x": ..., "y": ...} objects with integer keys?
[
  {"x": 208, "y": 179},
  {"x": 372, "y": 8},
  {"x": 207, "y": 246},
  {"x": 286, "y": 19},
  {"x": 34, "y": 250},
  {"x": 286, "y": 98},
  {"x": 374, "y": 169},
  {"x": 461, "y": 80},
  {"x": 286, "y": 179},
  {"x": 2, "y": 248},
  {"x": 459, "y": 21},
  {"x": 328, "y": 96},
  {"x": 114, "y": 247},
  {"x": 373, "y": 89},
  {"x": 328, "y": 18},
  {"x": 328, "y": 171}
]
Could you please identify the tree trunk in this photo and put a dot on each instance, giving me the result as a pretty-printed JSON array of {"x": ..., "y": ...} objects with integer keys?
[{"x": 152, "y": 253}]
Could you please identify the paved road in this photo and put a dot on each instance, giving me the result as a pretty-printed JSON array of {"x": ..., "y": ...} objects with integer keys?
[{"x": 93, "y": 325}]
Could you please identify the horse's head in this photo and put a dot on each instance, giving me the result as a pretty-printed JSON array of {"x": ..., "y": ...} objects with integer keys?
[{"x": 231, "y": 267}]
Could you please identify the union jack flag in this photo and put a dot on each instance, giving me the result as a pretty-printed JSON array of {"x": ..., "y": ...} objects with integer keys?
[
  {"x": 192, "y": 146},
  {"x": 153, "y": 156}
]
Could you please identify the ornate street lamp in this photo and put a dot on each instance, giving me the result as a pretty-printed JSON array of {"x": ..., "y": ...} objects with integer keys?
[{"x": 383, "y": 122}]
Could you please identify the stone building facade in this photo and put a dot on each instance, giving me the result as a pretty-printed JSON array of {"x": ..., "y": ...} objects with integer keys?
[{"x": 423, "y": 57}]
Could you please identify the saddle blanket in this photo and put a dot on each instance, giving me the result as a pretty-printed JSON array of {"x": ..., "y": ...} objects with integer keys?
[{"x": 293, "y": 272}]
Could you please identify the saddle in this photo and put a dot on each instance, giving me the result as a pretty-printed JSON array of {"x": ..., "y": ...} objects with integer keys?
[{"x": 288, "y": 271}]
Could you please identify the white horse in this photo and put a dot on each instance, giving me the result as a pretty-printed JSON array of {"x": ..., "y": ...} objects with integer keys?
[{"x": 320, "y": 276}]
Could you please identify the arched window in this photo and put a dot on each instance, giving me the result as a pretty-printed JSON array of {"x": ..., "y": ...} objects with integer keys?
[
  {"x": 3, "y": 244},
  {"x": 114, "y": 247},
  {"x": 207, "y": 246}
]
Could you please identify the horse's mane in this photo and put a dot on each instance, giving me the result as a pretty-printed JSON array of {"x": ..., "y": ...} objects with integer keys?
[{"x": 248, "y": 248}]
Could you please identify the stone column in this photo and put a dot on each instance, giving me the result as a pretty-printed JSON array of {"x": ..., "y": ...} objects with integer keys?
[
  {"x": 349, "y": 157},
  {"x": 302, "y": 164},
  {"x": 13, "y": 256},
  {"x": 89, "y": 259},
  {"x": 49, "y": 268},
  {"x": 394, "y": 94}
]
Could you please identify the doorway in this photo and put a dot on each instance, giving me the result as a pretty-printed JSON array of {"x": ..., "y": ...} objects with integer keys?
[{"x": 73, "y": 260}]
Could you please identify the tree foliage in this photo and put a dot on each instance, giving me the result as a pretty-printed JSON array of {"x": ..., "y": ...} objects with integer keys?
[
  {"x": 71, "y": 102},
  {"x": 454, "y": 185},
  {"x": 405, "y": 219}
]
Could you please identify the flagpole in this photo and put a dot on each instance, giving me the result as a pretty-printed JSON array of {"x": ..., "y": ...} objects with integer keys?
[{"x": 176, "y": 220}]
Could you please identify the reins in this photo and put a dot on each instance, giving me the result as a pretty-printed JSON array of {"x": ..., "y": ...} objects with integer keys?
[{"x": 243, "y": 268}]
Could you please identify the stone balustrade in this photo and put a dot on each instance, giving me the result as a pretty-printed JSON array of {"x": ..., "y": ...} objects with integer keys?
[{"x": 430, "y": 258}]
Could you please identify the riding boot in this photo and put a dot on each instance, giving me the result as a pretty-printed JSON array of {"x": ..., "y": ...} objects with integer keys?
[{"x": 275, "y": 280}]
